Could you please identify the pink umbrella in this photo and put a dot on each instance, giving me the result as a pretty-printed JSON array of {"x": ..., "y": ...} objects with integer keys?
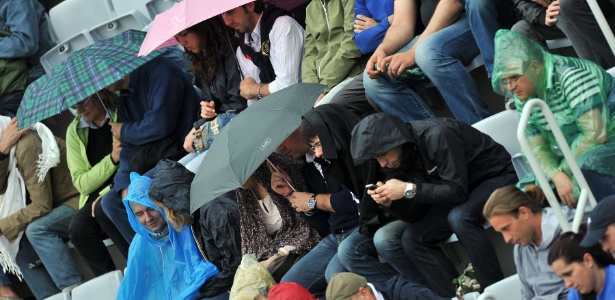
[{"x": 181, "y": 16}]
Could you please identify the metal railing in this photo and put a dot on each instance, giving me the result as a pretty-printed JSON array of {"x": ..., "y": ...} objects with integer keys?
[{"x": 585, "y": 195}]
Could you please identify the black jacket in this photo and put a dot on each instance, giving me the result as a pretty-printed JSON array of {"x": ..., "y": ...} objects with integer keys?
[
  {"x": 217, "y": 231},
  {"x": 446, "y": 158},
  {"x": 530, "y": 12}
]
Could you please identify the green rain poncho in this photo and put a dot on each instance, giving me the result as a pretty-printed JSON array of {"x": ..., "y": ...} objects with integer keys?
[{"x": 579, "y": 93}]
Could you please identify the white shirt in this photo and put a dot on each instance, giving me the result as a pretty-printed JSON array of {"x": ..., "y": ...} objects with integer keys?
[
  {"x": 270, "y": 215},
  {"x": 376, "y": 292},
  {"x": 286, "y": 37}
]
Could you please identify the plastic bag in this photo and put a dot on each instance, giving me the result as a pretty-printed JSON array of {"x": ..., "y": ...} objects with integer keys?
[{"x": 250, "y": 279}]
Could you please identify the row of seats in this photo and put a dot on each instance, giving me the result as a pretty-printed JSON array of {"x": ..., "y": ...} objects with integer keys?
[
  {"x": 103, "y": 287},
  {"x": 94, "y": 20}
]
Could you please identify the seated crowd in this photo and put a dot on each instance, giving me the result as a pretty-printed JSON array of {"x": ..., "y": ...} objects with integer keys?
[{"x": 360, "y": 196}]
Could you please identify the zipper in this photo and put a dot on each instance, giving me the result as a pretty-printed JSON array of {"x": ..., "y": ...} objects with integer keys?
[{"x": 318, "y": 69}]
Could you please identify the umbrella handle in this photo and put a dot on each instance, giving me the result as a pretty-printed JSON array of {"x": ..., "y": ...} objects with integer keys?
[{"x": 276, "y": 169}]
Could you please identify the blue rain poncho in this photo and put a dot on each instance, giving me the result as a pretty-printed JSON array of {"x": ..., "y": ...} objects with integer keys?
[
  {"x": 580, "y": 94},
  {"x": 172, "y": 268}
]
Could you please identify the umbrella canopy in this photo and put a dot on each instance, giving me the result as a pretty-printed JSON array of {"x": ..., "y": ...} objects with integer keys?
[
  {"x": 245, "y": 142},
  {"x": 181, "y": 16},
  {"x": 82, "y": 74}
]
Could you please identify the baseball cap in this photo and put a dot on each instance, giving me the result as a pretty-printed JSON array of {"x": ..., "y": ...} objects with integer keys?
[
  {"x": 601, "y": 217},
  {"x": 343, "y": 285}
]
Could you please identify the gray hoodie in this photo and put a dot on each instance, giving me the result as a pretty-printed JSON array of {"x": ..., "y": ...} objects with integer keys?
[{"x": 538, "y": 279}]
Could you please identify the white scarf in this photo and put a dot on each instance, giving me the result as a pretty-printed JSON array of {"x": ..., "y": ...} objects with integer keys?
[{"x": 15, "y": 195}]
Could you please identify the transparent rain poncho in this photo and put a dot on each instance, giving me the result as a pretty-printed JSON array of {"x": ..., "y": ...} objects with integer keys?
[
  {"x": 579, "y": 93},
  {"x": 169, "y": 268}
]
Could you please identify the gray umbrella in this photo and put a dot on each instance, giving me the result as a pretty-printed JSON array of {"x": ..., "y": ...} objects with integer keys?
[{"x": 248, "y": 139}]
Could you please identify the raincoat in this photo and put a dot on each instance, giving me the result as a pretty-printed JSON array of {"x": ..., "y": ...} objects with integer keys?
[
  {"x": 580, "y": 94},
  {"x": 171, "y": 268}
]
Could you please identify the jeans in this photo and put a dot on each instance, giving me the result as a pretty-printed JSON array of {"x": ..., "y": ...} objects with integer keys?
[
  {"x": 601, "y": 185},
  {"x": 442, "y": 57},
  {"x": 34, "y": 272},
  {"x": 318, "y": 266},
  {"x": 577, "y": 21},
  {"x": 192, "y": 161},
  {"x": 113, "y": 207},
  {"x": 4, "y": 279},
  {"x": 394, "y": 97},
  {"x": 420, "y": 240},
  {"x": 45, "y": 234},
  {"x": 388, "y": 244},
  {"x": 485, "y": 18},
  {"x": 358, "y": 255},
  {"x": 87, "y": 236}
]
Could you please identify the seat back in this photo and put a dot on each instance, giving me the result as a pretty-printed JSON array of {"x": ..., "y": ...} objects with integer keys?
[
  {"x": 102, "y": 287},
  {"x": 73, "y": 16},
  {"x": 506, "y": 289},
  {"x": 502, "y": 128},
  {"x": 131, "y": 20},
  {"x": 60, "y": 52},
  {"x": 149, "y": 8},
  {"x": 59, "y": 296}
]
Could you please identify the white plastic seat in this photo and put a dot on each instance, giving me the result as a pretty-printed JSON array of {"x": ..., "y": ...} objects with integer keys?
[
  {"x": 506, "y": 289},
  {"x": 60, "y": 52},
  {"x": 73, "y": 16},
  {"x": 131, "y": 20},
  {"x": 502, "y": 128},
  {"x": 103, "y": 287},
  {"x": 59, "y": 296},
  {"x": 559, "y": 43},
  {"x": 149, "y": 8}
]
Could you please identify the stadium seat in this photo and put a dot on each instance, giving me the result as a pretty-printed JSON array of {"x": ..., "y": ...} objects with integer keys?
[
  {"x": 59, "y": 296},
  {"x": 131, "y": 20},
  {"x": 149, "y": 8},
  {"x": 71, "y": 17},
  {"x": 60, "y": 52},
  {"x": 559, "y": 43},
  {"x": 502, "y": 128},
  {"x": 506, "y": 289},
  {"x": 102, "y": 287}
]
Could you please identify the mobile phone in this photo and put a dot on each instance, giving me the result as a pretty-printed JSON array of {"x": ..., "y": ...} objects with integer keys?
[{"x": 371, "y": 186}]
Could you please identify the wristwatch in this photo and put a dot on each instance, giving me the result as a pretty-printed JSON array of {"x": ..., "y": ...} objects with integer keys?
[
  {"x": 312, "y": 202},
  {"x": 410, "y": 192}
]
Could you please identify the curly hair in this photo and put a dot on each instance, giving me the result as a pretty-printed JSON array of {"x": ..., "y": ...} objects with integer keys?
[{"x": 214, "y": 42}]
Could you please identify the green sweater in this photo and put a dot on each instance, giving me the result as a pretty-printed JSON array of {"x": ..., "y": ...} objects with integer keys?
[{"x": 86, "y": 178}]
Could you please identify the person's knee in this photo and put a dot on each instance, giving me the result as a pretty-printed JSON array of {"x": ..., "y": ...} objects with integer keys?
[
  {"x": 522, "y": 27},
  {"x": 457, "y": 219},
  {"x": 34, "y": 230},
  {"x": 427, "y": 54},
  {"x": 480, "y": 6}
]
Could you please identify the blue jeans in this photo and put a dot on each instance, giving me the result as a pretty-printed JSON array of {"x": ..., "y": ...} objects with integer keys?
[
  {"x": 485, "y": 18},
  {"x": 34, "y": 273},
  {"x": 421, "y": 239},
  {"x": 601, "y": 185},
  {"x": 442, "y": 57},
  {"x": 358, "y": 255},
  {"x": 46, "y": 234},
  {"x": 4, "y": 279},
  {"x": 395, "y": 97},
  {"x": 388, "y": 244},
  {"x": 318, "y": 266},
  {"x": 114, "y": 208}
]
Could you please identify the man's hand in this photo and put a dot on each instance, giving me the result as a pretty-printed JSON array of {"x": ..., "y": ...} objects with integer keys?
[
  {"x": 189, "y": 141},
  {"x": 11, "y": 135},
  {"x": 362, "y": 22},
  {"x": 115, "y": 151},
  {"x": 552, "y": 12},
  {"x": 563, "y": 185},
  {"x": 94, "y": 204},
  {"x": 319, "y": 98},
  {"x": 116, "y": 130},
  {"x": 124, "y": 193},
  {"x": 247, "y": 88},
  {"x": 278, "y": 183},
  {"x": 393, "y": 189},
  {"x": 376, "y": 58},
  {"x": 299, "y": 201},
  {"x": 399, "y": 62},
  {"x": 208, "y": 109}
]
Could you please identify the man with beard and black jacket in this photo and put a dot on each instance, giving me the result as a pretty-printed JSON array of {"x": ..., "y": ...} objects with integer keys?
[{"x": 440, "y": 172}]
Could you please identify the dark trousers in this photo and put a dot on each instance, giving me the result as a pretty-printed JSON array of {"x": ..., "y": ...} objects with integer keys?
[
  {"x": 87, "y": 235},
  {"x": 354, "y": 98},
  {"x": 115, "y": 210},
  {"x": 421, "y": 240}
]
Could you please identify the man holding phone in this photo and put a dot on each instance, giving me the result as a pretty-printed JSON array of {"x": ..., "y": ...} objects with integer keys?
[{"x": 440, "y": 172}]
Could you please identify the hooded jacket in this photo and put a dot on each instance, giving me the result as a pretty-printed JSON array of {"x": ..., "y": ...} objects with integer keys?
[
  {"x": 171, "y": 268},
  {"x": 537, "y": 278},
  {"x": 331, "y": 53},
  {"x": 445, "y": 158},
  {"x": 334, "y": 123},
  {"x": 580, "y": 95}
]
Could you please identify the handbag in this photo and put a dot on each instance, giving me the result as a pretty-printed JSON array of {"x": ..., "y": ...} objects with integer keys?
[{"x": 204, "y": 136}]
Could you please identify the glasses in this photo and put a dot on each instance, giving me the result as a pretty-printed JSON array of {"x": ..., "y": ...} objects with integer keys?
[
  {"x": 316, "y": 146},
  {"x": 81, "y": 104},
  {"x": 511, "y": 82}
]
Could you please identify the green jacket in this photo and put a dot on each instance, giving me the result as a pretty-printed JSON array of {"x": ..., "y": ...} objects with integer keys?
[
  {"x": 86, "y": 178},
  {"x": 331, "y": 54}
]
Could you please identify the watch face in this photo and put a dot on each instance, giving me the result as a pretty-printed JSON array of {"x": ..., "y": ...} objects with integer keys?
[
  {"x": 409, "y": 194},
  {"x": 312, "y": 202}
]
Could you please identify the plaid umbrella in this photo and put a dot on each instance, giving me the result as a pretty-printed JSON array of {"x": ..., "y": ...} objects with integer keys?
[{"x": 82, "y": 74}]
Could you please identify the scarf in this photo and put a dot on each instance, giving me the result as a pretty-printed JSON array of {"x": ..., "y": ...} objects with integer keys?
[{"x": 15, "y": 194}]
